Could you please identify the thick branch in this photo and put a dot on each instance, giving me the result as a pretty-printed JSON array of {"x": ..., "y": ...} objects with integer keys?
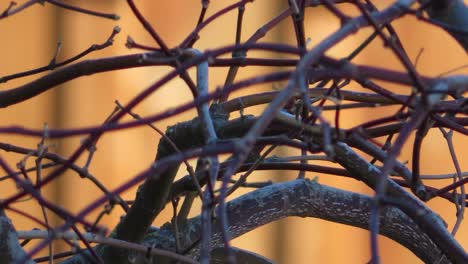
[
  {"x": 426, "y": 219},
  {"x": 362, "y": 170},
  {"x": 153, "y": 193},
  {"x": 83, "y": 68},
  {"x": 10, "y": 249},
  {"x": 453, "y": 13},
  {"x": 307, "y": 198},
  {"x": 303, "y": 198}
]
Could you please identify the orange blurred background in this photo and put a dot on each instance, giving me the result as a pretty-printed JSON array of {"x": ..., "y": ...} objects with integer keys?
[{"x": 29, "y": 41}]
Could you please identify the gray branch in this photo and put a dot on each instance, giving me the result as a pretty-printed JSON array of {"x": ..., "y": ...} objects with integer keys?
[
  {"x": 453, "y": 13},
  {"x": 302, "y": 198},
  {"x": 10, "y": 249},
  {"x": 306, "y": 198}
]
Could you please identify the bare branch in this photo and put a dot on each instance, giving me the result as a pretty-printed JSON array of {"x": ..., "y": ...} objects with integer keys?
[{"x": 10, "y": 249}]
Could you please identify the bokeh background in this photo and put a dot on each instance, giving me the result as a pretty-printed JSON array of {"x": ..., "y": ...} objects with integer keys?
[{"x": 28, "y": 40}]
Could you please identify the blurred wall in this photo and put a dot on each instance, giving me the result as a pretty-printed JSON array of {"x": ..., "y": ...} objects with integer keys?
[{"x": 29, "y": 40}]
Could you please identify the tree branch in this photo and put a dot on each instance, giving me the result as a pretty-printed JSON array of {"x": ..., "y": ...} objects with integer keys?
[
  {"x": 452, "y": 13},
  {"x": 303, "y": 198},
  {"x": 10, "y": 249}
]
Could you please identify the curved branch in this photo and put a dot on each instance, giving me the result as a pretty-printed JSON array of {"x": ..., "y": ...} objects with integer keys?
[
  {"x": 303, "y": 198},
  {"x": 83, "y": 68},
  {"x": 306, "y": 198}
]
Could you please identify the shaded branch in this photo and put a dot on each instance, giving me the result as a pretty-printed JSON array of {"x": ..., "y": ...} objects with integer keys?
[
  {"x": 303, "y": 198},
  {"x": 10, "y": 249},
  {"x": 452, "y": 13}
]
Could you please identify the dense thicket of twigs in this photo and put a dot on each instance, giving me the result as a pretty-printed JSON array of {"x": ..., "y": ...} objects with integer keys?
[{"x": 293, "y": 117}]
